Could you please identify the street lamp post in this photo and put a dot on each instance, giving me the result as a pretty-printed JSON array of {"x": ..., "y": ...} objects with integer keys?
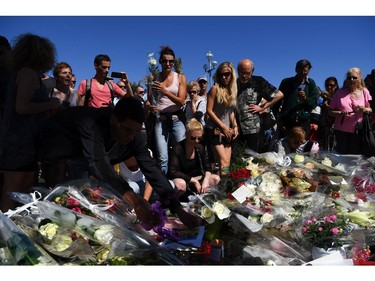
[{"x": 210, "y": 66}]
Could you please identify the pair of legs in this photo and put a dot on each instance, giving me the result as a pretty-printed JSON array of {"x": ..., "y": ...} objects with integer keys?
[
  {"x": 223, "y": 153},
  {"x": 165, "y": 135}
]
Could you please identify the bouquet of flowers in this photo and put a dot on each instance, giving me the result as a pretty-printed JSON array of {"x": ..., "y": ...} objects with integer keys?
[
  {"x": 80, "y": 239},
  {"x": 328, "y": 231},
  {"x": 16, "y": 248}
]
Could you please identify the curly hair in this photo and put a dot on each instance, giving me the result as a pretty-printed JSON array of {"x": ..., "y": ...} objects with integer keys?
[{"x": 35, "y": 52}]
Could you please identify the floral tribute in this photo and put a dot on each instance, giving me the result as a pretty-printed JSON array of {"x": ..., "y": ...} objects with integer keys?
[{"x": 326, "y": 232}]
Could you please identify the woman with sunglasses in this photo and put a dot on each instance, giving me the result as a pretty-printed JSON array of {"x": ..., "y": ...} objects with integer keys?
[
  {"x": 170, "y": 89},
  {"x": 188, "y": 163},
  {"x": 326, "y": 136},
  {"x": 221, "y": 124},
  {"x": 348, "y": 106}
]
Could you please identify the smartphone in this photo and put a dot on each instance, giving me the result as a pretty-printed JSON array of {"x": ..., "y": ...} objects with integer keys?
[{"x": 116, "y": 74}]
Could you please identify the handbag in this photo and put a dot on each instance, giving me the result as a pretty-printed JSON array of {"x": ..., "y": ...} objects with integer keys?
[{"x": 368, "y": 138}]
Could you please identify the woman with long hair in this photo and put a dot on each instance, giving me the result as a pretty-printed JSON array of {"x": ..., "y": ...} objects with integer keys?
[
  {"x": 221, "y": 124},
  {"x": 348, "y": 106}
]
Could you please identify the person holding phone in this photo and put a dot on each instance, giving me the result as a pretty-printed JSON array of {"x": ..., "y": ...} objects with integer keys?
[
  {"x": 300, "y": 98},
  {"x": 102, "y": 91}
]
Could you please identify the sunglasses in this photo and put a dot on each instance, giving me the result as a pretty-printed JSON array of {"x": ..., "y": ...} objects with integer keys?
[
  {"x": 331, "y": 85},
  {"x": 141, "y": 92},
  {"x": 225, "y": 74},
  {"x": 202, "y": 82},
  {"x": 352, "y": 78},
  {"x": 167, "y": 61},
  {"x": 192, "y": 92},
  {"x": 196, "y": 138}
]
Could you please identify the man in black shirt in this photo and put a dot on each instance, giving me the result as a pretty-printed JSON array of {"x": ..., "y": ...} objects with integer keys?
[
  {"x": 255, "y": 97},
  {"x": 104, "y": 137}
]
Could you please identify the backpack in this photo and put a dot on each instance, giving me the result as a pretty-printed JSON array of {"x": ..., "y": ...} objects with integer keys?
[{"x": 88, "y": 91}]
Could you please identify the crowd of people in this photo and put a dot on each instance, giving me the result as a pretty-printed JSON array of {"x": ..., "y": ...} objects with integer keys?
[{"x": 166, "y": 139}]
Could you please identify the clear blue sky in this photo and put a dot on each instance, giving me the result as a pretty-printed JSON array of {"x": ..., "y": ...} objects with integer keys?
[{"x": 333, "y": 44}]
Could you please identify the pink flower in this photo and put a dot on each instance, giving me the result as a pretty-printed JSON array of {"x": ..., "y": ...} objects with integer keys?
[
  {"x": 304, "y": 229},
  {"x": 314, "y": 219},
  {"x": 71, "y": 201},
  {"x": 308, "y": 222},
  {"x": 335, "y": 230},
  {"x": 320, "y": 228},
  {"x": 327, "y": 219},
  {"x": 77, "y": 210},
  {"x": 333, "y": 217}
]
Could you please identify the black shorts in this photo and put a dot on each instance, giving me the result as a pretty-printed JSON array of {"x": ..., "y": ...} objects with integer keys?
[{"x": 212, "y": 139}]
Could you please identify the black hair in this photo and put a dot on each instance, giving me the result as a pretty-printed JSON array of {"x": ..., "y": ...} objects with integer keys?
[
  {"x": 99, "y": 58},
  {"x": 331, "y": 78},
  {"x": 166, "y": 50},
  {"x": 4, "y": 42},
  {"x": 129, "y": 108},
  {"x": 302, "y": 64}
]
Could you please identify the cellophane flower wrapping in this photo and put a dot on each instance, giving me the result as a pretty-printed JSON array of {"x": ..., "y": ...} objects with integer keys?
[
  {"x": 80, "y": 239},
  {"x": 16, "y": 248},
  {"x": 96, "y": 199}
]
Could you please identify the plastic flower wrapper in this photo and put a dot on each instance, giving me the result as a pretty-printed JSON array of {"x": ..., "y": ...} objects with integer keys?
[
  {"x": 324, "y": 228},
  {"x": 80, "y": 238},
  {"x": 336, "y": 164},
  {"x": 363, "y": 177},
  {"x": 16, "y": 248},
  {"x": 95, "y": 199},
  {"x": 298, "y": 180}
]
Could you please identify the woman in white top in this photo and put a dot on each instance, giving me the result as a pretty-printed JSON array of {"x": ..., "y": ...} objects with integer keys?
[{"x": 170, "y": 89}]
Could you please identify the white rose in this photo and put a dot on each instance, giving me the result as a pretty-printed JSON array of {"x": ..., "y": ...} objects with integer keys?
[
  {"x": 221, "y": 210},
  {"x": 267, "y": 217},
  {"x": 153, "y": 62},
  {"x": 104, "y": 234}
]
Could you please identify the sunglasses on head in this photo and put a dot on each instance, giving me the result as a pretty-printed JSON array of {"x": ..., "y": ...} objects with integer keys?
[{"x": 196, "y": 138}]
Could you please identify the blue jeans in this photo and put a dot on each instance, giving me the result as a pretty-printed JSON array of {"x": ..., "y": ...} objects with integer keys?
[{"x": 166, "y": 137}]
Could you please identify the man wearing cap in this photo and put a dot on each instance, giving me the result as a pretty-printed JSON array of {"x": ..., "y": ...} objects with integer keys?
[{"x": 203, "y": 83}]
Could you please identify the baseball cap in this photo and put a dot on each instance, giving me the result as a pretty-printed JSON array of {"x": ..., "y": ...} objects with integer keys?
[{"x": 202, "y": 78}]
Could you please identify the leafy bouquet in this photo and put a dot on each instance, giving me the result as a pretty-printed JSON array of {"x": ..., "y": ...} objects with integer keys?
[
  {"x": 326, "y": 231},
  {"x": 16, "y": 248}
]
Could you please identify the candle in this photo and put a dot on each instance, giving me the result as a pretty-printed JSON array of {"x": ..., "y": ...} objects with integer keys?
[{"x": 217, "y": 250}]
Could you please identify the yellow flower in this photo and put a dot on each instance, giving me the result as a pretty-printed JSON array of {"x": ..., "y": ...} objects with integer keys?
[
  {"x": 299, "y": 158},
  {"x": 62, "y": 242},
  {"x": 49, "y": 230},
  {"x": 206, "y": 212}
]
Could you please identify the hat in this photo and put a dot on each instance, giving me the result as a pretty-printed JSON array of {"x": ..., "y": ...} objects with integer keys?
[{"x": 202, "y": 78}]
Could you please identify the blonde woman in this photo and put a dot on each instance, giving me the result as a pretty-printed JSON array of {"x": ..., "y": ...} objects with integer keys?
[
  {"x": 188, "y": 163},
  {"x": 221, "y": 123},
  {"x": 348, "y": 106}
]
